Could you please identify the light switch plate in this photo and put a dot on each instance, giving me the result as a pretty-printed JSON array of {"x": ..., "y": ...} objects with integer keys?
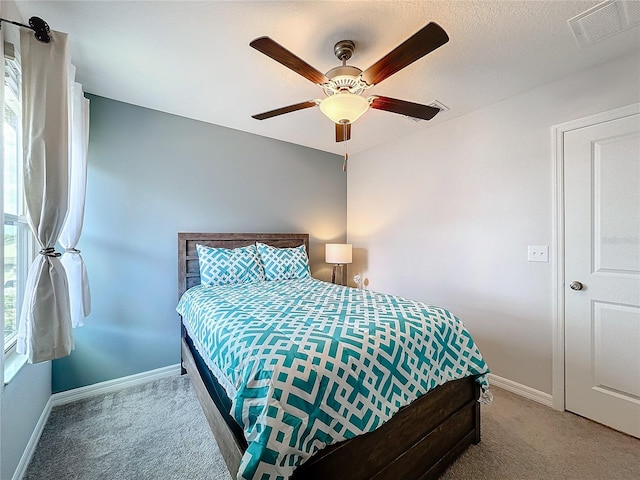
[{"x": 538, "y": 253}]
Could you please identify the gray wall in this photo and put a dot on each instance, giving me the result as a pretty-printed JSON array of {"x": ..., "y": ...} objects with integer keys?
[
  {"x": 23, "y": 401},
  {"x": 152, "y": 175}
]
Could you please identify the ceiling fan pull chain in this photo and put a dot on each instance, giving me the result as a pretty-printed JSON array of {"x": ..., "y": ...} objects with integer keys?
[{"x": 346, "y": 136}]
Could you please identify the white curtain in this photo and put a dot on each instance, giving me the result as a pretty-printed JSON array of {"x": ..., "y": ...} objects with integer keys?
[
  {"x": 44, "y": 331},
  {"x": 79, "y": 292}
]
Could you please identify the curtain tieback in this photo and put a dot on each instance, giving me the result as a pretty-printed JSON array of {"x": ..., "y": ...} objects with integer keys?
[
  {"x": 49, "y": 252},
  {"x": 71, "y": 250}
]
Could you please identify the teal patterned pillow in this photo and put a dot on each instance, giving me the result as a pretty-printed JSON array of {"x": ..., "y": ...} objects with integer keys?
[
  {"x": 284, "y": 263},
  {"x": 224, "y": 266}
]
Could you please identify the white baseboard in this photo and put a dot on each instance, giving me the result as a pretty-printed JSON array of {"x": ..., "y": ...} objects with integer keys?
[
  {"x": 33, "y": 442},
  {"x": 75, "y": 394},
  {"x": 522, "y": 390}
]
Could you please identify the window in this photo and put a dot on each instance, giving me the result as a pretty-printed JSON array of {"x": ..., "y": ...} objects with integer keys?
[{"x": 17, "y": 236}]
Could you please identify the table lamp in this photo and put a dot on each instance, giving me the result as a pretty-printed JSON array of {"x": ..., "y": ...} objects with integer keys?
[{"x": 339, "y": 254}]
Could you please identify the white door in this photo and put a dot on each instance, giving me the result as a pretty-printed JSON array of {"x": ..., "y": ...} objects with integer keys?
[{"x": 602, "y": 254}]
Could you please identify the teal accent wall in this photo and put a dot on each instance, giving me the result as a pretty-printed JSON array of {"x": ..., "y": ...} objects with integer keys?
[{"x": 152, "y": 175}]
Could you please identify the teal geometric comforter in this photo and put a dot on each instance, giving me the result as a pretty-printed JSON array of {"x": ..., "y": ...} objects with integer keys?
[{"x": 307, "y": 363}]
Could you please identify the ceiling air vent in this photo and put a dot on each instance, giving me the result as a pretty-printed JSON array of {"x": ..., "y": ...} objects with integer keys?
[{"x": 604, "y": 20}]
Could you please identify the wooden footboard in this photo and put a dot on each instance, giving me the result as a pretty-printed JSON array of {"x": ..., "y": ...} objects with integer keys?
[{"x": 419, "y": 442}]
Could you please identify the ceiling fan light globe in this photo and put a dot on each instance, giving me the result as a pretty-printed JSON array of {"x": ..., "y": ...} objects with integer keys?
[{"x": 344, "y": 107}]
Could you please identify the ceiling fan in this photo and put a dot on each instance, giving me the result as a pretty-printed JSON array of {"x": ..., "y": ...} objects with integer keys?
[{"x": 344, "y": 85}]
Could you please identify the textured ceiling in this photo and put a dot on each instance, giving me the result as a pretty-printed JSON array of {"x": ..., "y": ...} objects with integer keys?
[{"x": 193, "y": 58}]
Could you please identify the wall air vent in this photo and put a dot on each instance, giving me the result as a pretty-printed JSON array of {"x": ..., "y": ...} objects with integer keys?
[{"x": 604, "y": 20}]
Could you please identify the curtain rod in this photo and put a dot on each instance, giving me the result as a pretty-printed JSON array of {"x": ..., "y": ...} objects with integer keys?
[{"x": 38, "y": 25}]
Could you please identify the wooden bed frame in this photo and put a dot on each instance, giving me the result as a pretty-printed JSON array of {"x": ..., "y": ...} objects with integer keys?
[{"x": 419, "y": 442}]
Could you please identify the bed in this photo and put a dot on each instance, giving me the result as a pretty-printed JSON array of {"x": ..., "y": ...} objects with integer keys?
[{"x": 418, "y": 442}]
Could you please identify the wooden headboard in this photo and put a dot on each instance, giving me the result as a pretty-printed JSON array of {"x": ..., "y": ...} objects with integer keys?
[{"x": 188, "y": 268}]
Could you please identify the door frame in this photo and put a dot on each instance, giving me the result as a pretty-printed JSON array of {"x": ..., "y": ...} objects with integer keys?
[{"x": 558, "y": 241}]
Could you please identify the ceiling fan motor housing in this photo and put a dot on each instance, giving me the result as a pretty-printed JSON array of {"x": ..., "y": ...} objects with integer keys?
[{"x": 344, "y": 78}]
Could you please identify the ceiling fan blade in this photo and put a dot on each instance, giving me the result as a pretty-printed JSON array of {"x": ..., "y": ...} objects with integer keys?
[
  {"x": 343, "y": 132},
  {"x": 281, "y": 55},
  {"x": 410, "y": 109},
  {"x": 415, "y": 47},
  {"x": 283, "y": 110}
]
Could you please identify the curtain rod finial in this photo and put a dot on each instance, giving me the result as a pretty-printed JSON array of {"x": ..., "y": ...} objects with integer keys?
[{"x": 41, "y": 29}]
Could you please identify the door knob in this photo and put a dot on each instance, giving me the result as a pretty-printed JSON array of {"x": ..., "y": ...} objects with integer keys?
[{"x": 575, "y": 285}]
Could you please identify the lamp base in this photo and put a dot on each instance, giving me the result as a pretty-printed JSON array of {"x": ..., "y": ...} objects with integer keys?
[{"x": 334, "y": 274}]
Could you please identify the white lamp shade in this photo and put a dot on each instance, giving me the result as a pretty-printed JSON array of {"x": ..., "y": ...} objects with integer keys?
[
  {"x": 337, "y": 253},
  {"x": 344, "y": 107}
]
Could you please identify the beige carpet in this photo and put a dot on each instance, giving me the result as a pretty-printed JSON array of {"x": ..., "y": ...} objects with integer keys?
[
  {"x": 524, "y": 440},
  {"x": 157, "y": 431}
]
